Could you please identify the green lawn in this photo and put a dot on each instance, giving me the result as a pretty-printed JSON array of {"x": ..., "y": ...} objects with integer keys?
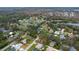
[{"x": 33, "y": 46}]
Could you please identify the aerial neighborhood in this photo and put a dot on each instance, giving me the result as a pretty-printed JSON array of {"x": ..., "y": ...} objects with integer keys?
[{"x": 39, "y": 29}]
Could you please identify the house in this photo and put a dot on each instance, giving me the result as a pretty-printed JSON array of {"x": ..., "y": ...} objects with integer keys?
[
  {"x": 17, "y": 46},
  {"x": 55, "y": 35},
  {"x": 72, "y": 49},
  {"x": 52, "y": 43},
  {"x": 71, "y": 35},
  {"x": 62, "y": 37},
  {"x": 11, "y": 36},
  {"x": 39, "y": 46},
  {"x": 11, "y": 33},
  {"x": 50, "y": 31},
  {"x": 57, "y": 32},
  {"x": 24, "y": 41},
  {"x": 50, "y": 49},
  {"x": 62, "y": 31}
]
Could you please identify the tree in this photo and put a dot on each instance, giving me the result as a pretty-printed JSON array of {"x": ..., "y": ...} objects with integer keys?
[
  {"x": 43, "y": 36},
  {"x": 30, "y": 26},
  {"x": 3, "y": 40}
]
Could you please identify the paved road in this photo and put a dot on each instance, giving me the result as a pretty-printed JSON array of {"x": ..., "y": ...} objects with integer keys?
[
  {"x": 31, "y": 44},
  {"x": 8, "y": 46},
  {"x": 55, "y": 49},
  {"x": 49, "y": 48},
  {"x": 34, "y": 43}
]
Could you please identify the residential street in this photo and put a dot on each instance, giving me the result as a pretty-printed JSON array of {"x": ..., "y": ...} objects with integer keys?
[
  {"x": 31, "y": 44},
  {"x": 8, "y": 46}
]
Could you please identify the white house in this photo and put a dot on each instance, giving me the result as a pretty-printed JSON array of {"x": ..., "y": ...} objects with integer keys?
[
  {"x": 24, "y": 41},
  {"x": 57, "y": 32},
  {"x": 10, "y": 33},
  {"x": 52, "y": 43},
  {"x": 50, "y": 49},
  {"x": 62, "y": 37},
  {"x": 17, "y": 46},
  {"x": 72, "y": 49},
  {"x": 39, "y": 46}
]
